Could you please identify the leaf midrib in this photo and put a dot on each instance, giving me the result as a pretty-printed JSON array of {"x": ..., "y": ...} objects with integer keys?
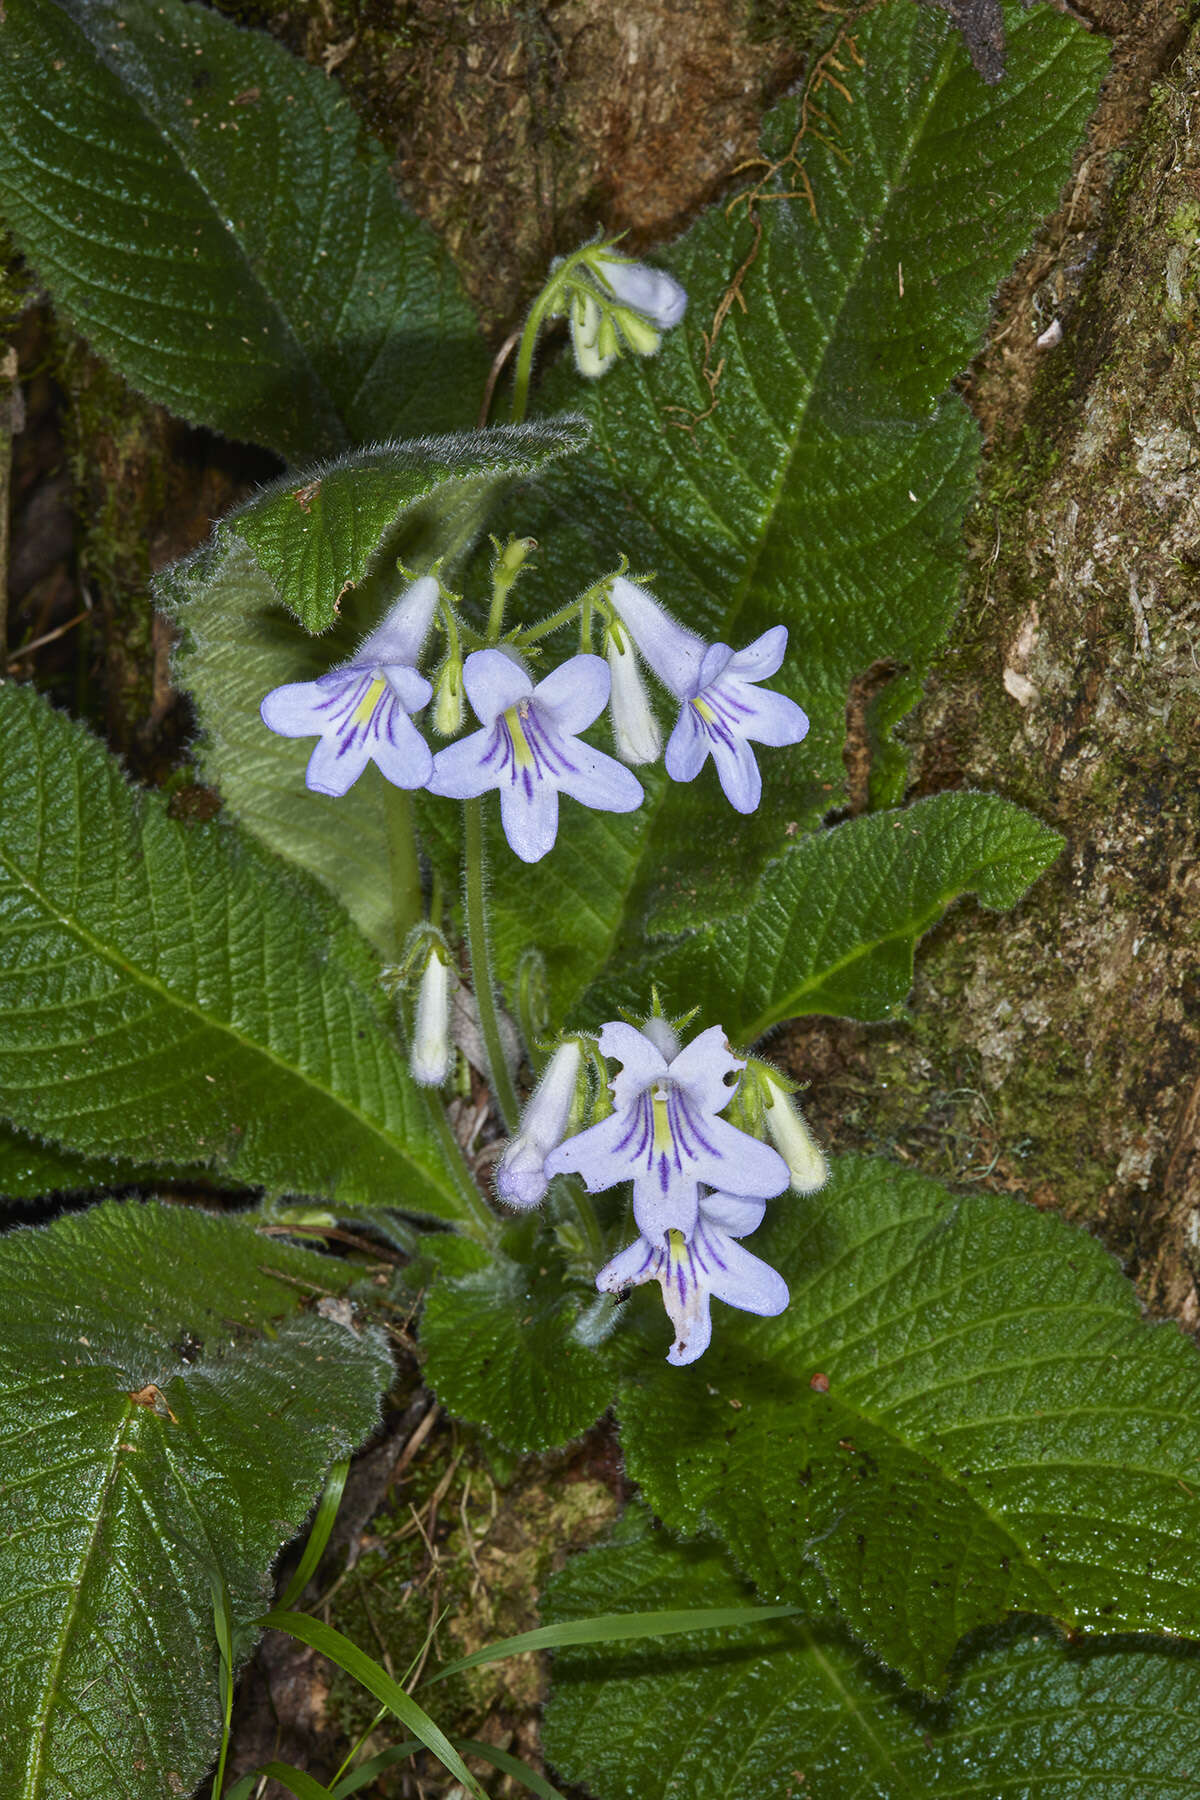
[
  {"x": 192, "y": 175},
  {"x": 650, "y": 814},
  {"x": 170, "y": 998}
]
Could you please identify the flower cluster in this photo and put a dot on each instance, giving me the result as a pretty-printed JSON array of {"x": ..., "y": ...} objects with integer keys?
[
  {"x": 699, "y": 1183},
  {"x": 614, "y": 303},
  {"x": 529, "y": 745}
]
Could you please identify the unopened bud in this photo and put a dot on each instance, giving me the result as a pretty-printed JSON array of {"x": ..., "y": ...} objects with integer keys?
[
  {"x": 636, "y": 732},
  {"x": 792, "y": 1138},
  {"x": 432, "y": 1050},
  {"x": 639, "y": 333},
  {"x": 448, "y": 698},
  {"x": 521, "y": 1179},
  {"x": 586, "y": 322}
]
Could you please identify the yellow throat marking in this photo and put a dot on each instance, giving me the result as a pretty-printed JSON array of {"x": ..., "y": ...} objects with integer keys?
[
  {"x": 662, "y": 1124},
  {"x": 522, "y": 754},
  {"x": 705, "y": 710},
  {"x": 370, "y": 700}
]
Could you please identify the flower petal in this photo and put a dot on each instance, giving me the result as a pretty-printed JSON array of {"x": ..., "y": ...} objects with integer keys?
[
  {"x": 575, "y": 693},
  {"x": 668, "y": 1200},
  {"x": 643, "y": 1061},
  {"x": 715, "y": 661},
  {"x": 600, "y": 781},
  {"x": 494, "y": 682},
  {"x": 411, "y": 690},
  {"x": 672, "y": 652},
  {"x": 638, "y": 1262},
  {"x": 763, "y": 716},
  {"x": 687, "y": 746},
  {"x": 701, "y": 1067},
  {"x": 303, "y": 708},
  {"x": 740, "y": 1279},
  {"x": 400, "y": 637},
  {"x": 737, "y": 1163},
  {"x": 762, "y": 657},
  {"x": 737, "y": 772},
  {"x": 529, "y": 814},
  {"x": 649, "y": 291},
  {"x": 460, "y": 772},
  {"x": 397, "y": 747},
  {"x": 336, "y": 764},
  {"x": 600, "y": 1154},
  {"x": 734, "y": 1214}
]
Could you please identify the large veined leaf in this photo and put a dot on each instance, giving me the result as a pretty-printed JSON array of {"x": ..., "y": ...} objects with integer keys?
[
  {"x": 324, "y": 547},
  {"x": 835, "y": 921},
  {"x": 212, "y": 216},
  {"x": 180, "y": 999},
  {"x": 169, "y": 1410},
  {"x": 795, "y": 1712},
  {"x": 997, "y": 1429},
  {"x": 521, "y": 1351},
  {"x": 821, "y": 479}
]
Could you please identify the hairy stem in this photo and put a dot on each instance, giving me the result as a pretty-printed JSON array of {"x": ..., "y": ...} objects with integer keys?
[
  {"x": 474, "y": 880},
  {"x": 404, "y": 864},
  {"x": 477, "y": 1220}
]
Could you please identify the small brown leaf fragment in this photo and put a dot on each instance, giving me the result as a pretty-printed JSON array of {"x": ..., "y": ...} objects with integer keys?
[
  {"x": 155, "y": 1400},
  {"x": 305, "y": 496},
  {"x": 819, "y": 1383},
  {"x": 247, "y": 97}
]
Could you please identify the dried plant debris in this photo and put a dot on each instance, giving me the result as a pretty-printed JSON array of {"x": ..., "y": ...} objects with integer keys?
[{"x": 982, "y": 26}]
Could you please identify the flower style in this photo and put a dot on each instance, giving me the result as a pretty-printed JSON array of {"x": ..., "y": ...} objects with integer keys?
[
  {"x": 692, "y": 1271},
  {"x": 664, "y": 1132},
  {"x": 721, "y": 710},
  {"x": 360, "y": 709},
  {"x": 628, "y": 300},
  {"x": 520, "y": 1174},
  {"x": 529, "y": 749}
]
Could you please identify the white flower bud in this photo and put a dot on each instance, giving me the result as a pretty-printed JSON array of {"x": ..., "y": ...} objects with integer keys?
[
  {"x": 594, "y": 353},
  {"x": 792, "y": 1138},
  {"x": 430, "y": 1057},
  {"x": 651, "y": 292},
  {"x": 640, "y": 334},
  {"x": 636, "y": 732},
  {"x": 521, "y": 1180}
]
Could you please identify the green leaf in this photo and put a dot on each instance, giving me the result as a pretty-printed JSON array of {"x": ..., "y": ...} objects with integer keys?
[
  {"x": 1001, "y": 1429},
  {"x": 211, "y": 215},
  {"x": 169, "y": 1409},
  {"x": 31, "y": 1171},
  {"x": 333, "y": 536},
  {"x": 179, "y": 998},
  {"x": 794, "y": 1710},
  {"x": 834, "y": 925},
  {"x": 827, "y": 486},
  {"x": 509, "y": 1347}
]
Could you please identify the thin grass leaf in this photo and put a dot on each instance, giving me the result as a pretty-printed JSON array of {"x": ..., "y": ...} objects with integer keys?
[
  {"x": 375, "y": 1678},
  {"x": 318, "y": 1537},
  {"x": 223, "y": 1627},
  {"x": 610, "y": 1628},
  {"x": 375, "y": 1765},
  {"x": 305, "y": 1787}
]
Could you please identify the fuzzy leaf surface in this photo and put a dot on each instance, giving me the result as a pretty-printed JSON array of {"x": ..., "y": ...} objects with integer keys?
[
  {"x": 722, "y": 1715},
  {"x": 211, "y": 215},
  {"x": 826, "y": 487},
  {"x": 503, "y": 1349},
  {"x": 169, "y": 1413},
  {"x": 181, "y": 999},
  {"x": 834, "y": 925},
  {"x": 1002, "y": 1430},
  {"x": 323, "y": 547}
]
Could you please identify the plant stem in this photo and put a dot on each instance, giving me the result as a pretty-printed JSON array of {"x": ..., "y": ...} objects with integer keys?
[
  {"x": 403, "y": 862},
  {"x": 474, "y": 881},
  {"x": 478, "y": 1221}
]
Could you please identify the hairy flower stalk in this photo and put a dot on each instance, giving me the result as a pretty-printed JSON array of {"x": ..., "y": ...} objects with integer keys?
[
  {"x": 693, "y": 1270},
  {"x": 521, "y": 1179},
  {"x": 722, "y": 712},
  {"x": 359, "y": 711}
]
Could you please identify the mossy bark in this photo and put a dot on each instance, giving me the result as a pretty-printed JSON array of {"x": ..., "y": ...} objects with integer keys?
[{"x": 1056, "y": 1052}]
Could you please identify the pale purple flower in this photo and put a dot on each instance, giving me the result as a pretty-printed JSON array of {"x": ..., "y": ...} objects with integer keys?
[
  {"x": 694, "y": 1270},
  {"x": 722, "y": 711},
  {"x": 360, "y": 709},
  {"x": 664, "y": 1134},
  {"x": 653, "y": 293},
  {"x": 521, "y": 1179},
  {"x": 529, "y": 749}
]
